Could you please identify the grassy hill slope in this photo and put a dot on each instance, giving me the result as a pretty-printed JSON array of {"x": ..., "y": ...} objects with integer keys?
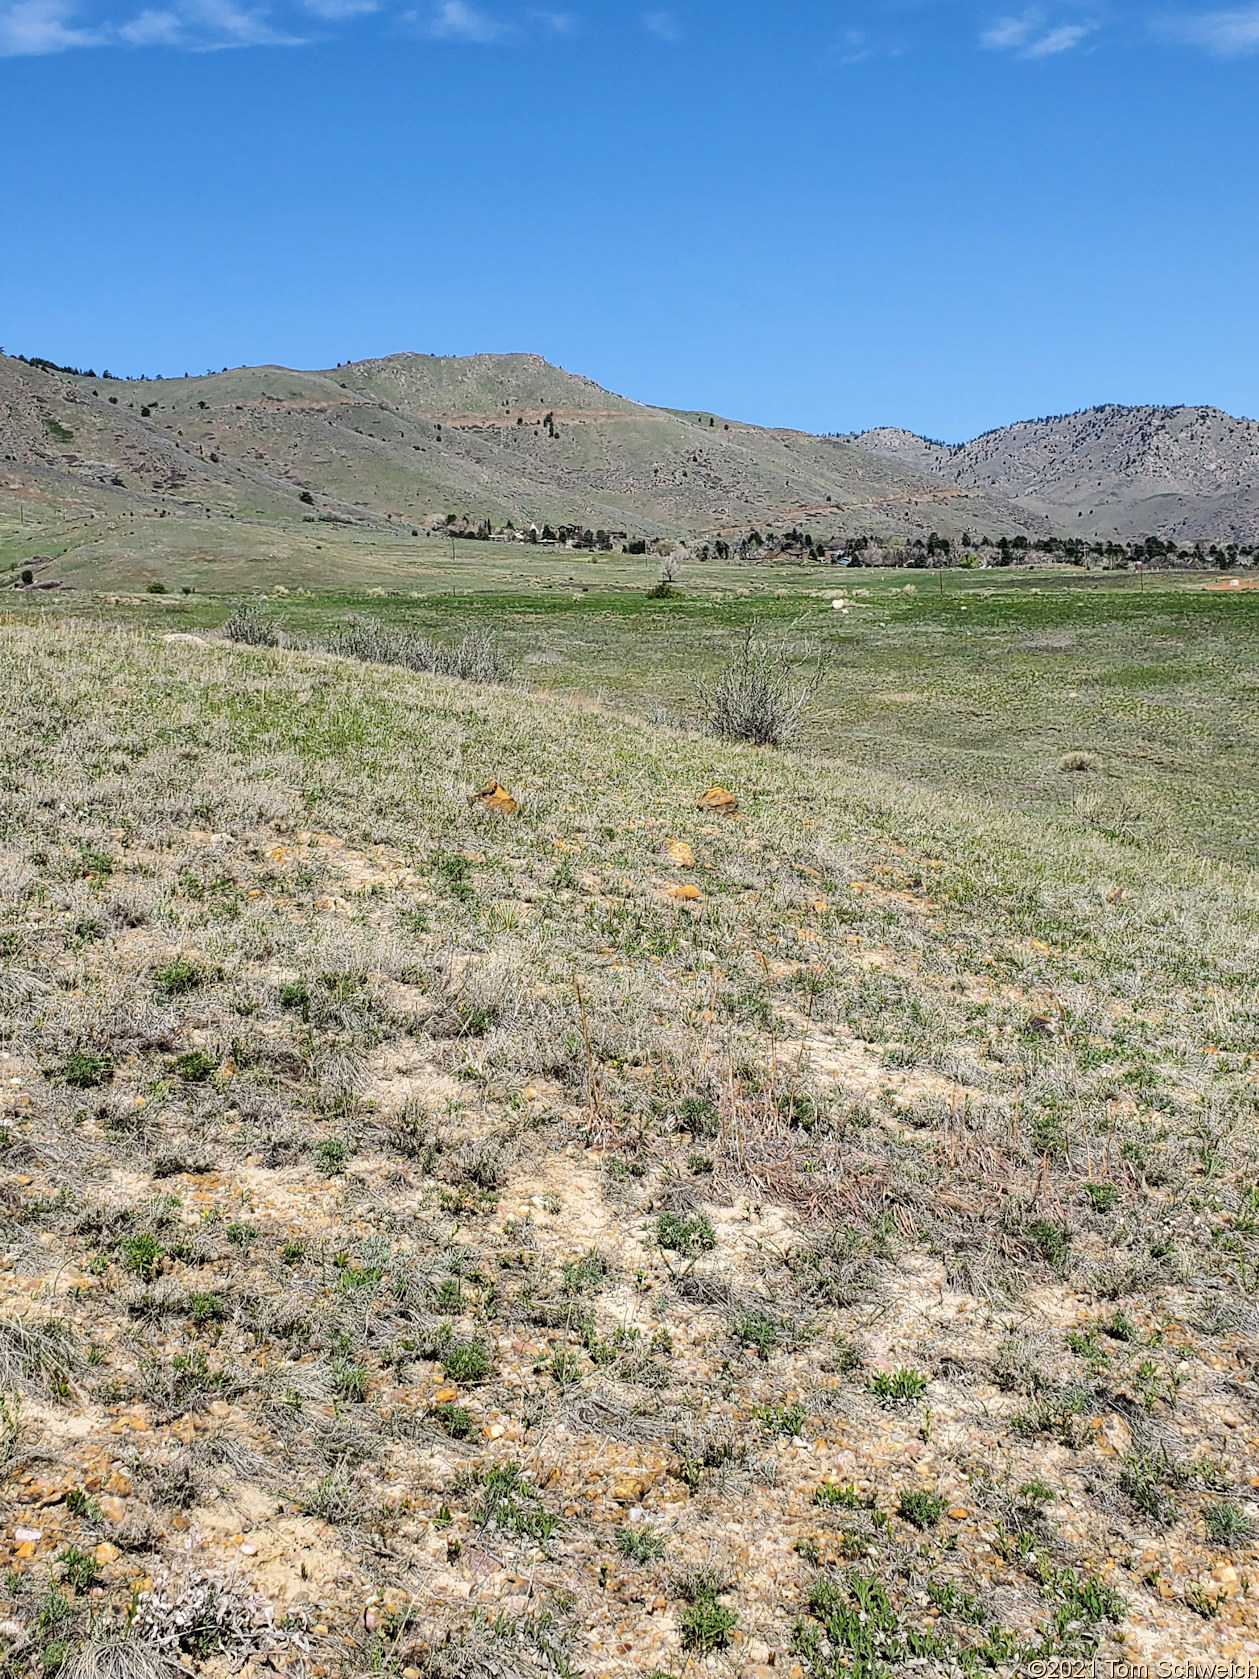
[
  {"x": 1185, "y": 474},
  {"x": 399, "y": 443},
  {"x": 609, "y": 1233}
]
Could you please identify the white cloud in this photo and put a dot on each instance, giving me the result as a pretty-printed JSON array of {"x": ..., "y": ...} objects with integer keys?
[
  {"x": 457, "y": 21},
  {"x": 563, "y": 23},
  {"x": 854, "y": 47},
  {"x": 335, "y": 11},
  {"x": 1009, "y": 32},
  {"x": 153, "y": 29},
  {"x": 1062, "y": 39},
  {"x": 1027, "y": 36},
  {"x": 664, "y": 24},
  {"x": 222, "y": 23},
  {"x": 1226, "y": 34},
  {"x": 41, "y": 26},
  {"x": 202, "y": 26}
]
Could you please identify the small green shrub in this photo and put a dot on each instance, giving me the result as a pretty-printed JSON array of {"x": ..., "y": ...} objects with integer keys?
[
  {"x": 448, "y": 1296},
  {"x": 78, "y": 1568},
  {"x": 640, "y": 1542},
  {"x": 1204, "y": 1603},
  {"x": 1037, "y": 1493},
  {"x": 507, "y": 1501},
  {"x": 467, "y": 1362},
  {"x": 332, "y": 1155},
  {"x": 799, "y": 1110},
  {"x": 178, "y": 977},
  {"x": 566, "y": 1369},
  {"x": 755, "y": 1330},
  {"x": 155, "y": 589},
  {"x": 1226, "y": 1524},
  {"x": 295, "y": 994},
  {"x": 1102, "y": 1196},
  {"x": 831, "y": 1496},
  {"x": 455, "y": 873},
  {"x": 1141, "y": 1478},
  {"x": 1087, "y": 1599},
  {"x": 845, "y": 1358},
  {"x": 195, "y": 1067},
  {"x": 455, "y": 1419},
  {"x": 1084, "y": 1344},
  {"x": 84, "y": 1071},
  {"x": 583, "y": 1276},
  {"x": 1052, "y": 1242},
  {"x": 689, "y": 1236},
  {"x": 698, "y": 1117},
  {"x": 143, "y": 1255},
  {"x": 898, "y": 1387},
  {"x": 922, "y": 1508},
  {"x": 706, "y": 1625},
  {"x": 781, "y": 1420},
  {"x": 350, "y": 1380},
  {"x": 961, "y": 1605},
  {"x": 205, "y": 1308}
]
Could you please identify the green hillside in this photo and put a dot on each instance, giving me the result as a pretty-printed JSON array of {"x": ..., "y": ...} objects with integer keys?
[{"x": 402, "y": 442}]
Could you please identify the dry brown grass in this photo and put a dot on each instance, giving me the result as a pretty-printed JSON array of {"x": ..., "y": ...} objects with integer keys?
[{"x": 358, "y": 1142}]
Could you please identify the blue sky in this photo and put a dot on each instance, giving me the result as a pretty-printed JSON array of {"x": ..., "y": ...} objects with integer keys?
[{"x": 944, "y": 214}]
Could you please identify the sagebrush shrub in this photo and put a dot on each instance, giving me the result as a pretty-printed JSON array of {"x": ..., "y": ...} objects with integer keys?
[
  {"x": 255, "y": 625},
  {"x": 760, "y": 696}
]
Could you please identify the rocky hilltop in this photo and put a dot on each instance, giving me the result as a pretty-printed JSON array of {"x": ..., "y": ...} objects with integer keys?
[{"x": 1187, "y": 474}]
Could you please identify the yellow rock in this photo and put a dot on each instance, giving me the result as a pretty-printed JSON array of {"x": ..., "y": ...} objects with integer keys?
[
  {"x": 628, "y": 1489},
  {"x": 679, "y": 853},
  {"x": 105, "y": 1552},
  {"x": 444, "y": 1396},
  {"x": 720, "y": 800},
  {"x": 687, "y": 893},
  {"x": 113, "y": 1509},
  {"x": 958, "y": 1513}
]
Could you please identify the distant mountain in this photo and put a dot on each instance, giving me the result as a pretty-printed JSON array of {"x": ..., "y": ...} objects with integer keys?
[
  {"x": 1185, "y": 474},
  {"x": 405, "y": 440}
]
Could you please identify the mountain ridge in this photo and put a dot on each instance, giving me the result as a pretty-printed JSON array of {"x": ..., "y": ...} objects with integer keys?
[
  {"x": 402, "y": 441},
  {"x": 1185, "y": 472}
]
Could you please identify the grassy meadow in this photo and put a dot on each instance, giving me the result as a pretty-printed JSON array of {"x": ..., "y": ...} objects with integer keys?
[
  {"x": 612, "y": 1237},
  {"x": 982, "y": 680}
]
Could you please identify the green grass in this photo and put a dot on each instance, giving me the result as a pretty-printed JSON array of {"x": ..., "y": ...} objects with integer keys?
[{"x": 980, "y": 681}]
